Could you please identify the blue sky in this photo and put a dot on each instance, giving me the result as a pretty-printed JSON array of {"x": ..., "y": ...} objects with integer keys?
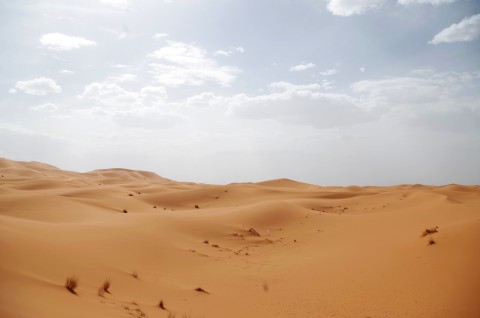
[{"x": 339, "y": 92}]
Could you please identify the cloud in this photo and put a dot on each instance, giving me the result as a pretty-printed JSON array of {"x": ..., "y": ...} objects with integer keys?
[
  {"x": 188, "y": 65},
  {"x": 66, "y": 72},
  {"x": 120, "y": 4},
  {"x": 114, "y": 98},
  {"x": 146, "y": 108},
  {"x": 160, "y": 35},
  {"x": 48, "y": 107},
  {"x": 302, "y": 67},
  {"x": 62, "y": 42},
  {"x": 434, "y": 2},
  {"x": 38, "y": 86},
  {"x": 425, "y": 99},
  {"x": 109, "y": 95},
  {"x": 238, "y": 49},
  {"x": 122, "y": 78},
  {"x": 12, "y": 91},
  {"x": 346, "y": 8},
  {"x": 299, "y": 105},
  {"x": 221, "y": 52},
  {"x": 466, "y": 30},
  {"x": 362, "y": 69},
  {"x": 329, "y": 72}
]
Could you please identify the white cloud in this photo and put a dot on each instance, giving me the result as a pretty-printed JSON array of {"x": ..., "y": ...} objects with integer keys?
[
  {"x": 189, "y": 65},
  {"x": 66, "y": 72},
  {"x": 362, "y": 69},
  {"x": 110, "y": 95},
  {"x": 127, "y": 77},
  {"x": 221, "y": 52},
  {"x": 434, "y": 2},
  {"x": 113, "y": 98},
  {"x": 119, "y": 66},
  {"x": 38, "y": 86},
  {"x": 425, "y": 99},
  {"x": 160, "y": 35},
  {"x": 329, "y": 72},
  {"x": 302, "y": 67},
  {"x": 146, "y": 108},
  {"x": 62, "y": 42},
  {"x": 120, "y": 4},
  {"x": 346, "y": 8},
  {"x": 48, "y": 107},
  {"x": 238, "y": 49},
  {"x": 466, "y": 30},
  {"x": 299, "y": 105},
  {"x": 12, "y": 91},
  {"x": 119, "y": 34}
]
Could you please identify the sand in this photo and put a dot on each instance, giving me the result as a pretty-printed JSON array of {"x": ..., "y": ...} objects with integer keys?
[{"x": 278, "y": 248}]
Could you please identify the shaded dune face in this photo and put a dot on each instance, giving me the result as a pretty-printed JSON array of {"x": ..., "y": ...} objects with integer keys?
[{"x": 278, "y": 248}]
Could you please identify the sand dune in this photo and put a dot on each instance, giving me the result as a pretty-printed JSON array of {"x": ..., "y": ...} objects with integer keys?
[{"x": 278, "y": 248}]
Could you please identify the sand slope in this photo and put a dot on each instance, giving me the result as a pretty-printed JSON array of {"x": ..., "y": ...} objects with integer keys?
[{"x": 321, "y": 251}]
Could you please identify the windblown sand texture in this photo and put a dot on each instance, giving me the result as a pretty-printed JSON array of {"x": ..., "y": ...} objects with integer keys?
[{"x": 278, "y": 248}]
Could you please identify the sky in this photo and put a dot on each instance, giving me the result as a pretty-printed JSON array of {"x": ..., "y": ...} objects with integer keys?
[{"x": 330, "y": 92}]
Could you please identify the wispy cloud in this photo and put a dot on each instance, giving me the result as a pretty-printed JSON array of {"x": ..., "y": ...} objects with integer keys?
[
  {"x": 48, "y": 107},
  {"x": 62, "y": 42},
  {"x": 66, "y": 72},
  {"x": 464, "y": 31},
  {"x": 120, "y": 4},
  {"x": 302, "y": 67},
  {"x": 347, "y": 8},
  {"x": 160, "y": 35},
  {"x": 329, "y": 72},
  {"x": 188, "y": 64},
  {"x": 434, "y": 2},
  {"x": 38, "y": 86}
]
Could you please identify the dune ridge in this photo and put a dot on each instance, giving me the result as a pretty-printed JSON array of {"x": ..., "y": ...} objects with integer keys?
[{"x": 278, "y": 248}]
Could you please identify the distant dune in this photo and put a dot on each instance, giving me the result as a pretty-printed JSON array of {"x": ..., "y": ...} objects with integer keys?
[{"x": 278, "y": 248}]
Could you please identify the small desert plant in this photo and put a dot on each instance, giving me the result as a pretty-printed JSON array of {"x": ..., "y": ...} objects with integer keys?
[
  {"x": 135, "y": 274},
  {"x": 106, "y": 285},
  {"x": 253, "y": 231},
  {"x": 431, "y": 241},
  {"x": 71, "y": 283},
  {"x": 201, "y": 290},
  {"x": 125, "y": 211},
  {"x": 430, "y": 231},
  {"x": 101, "y": 292},
  {"x": 162, "y": 305},
  {"x": 196, "y": 206},
  {"x": 130, "y": 195},
  {"x": 206, "y": 242}
]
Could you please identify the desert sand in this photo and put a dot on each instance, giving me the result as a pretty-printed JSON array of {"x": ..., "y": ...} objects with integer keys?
[{"x": 278, "y": 248}]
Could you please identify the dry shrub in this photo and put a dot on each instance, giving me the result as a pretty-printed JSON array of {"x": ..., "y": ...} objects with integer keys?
[
  {"x": 104, "y": 288},
  {"x": 253, "y": 231},
  {"x": 201, "y": 290},
  {"x": 71, "y": 283},
  {"x": 162, "y": 305},
  {"x": 135, "y": 274},
  {"x": 430, "y": 231}
]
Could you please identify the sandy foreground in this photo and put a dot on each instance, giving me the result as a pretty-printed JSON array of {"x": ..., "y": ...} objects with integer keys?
[{"x": 278, "y": 248}]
